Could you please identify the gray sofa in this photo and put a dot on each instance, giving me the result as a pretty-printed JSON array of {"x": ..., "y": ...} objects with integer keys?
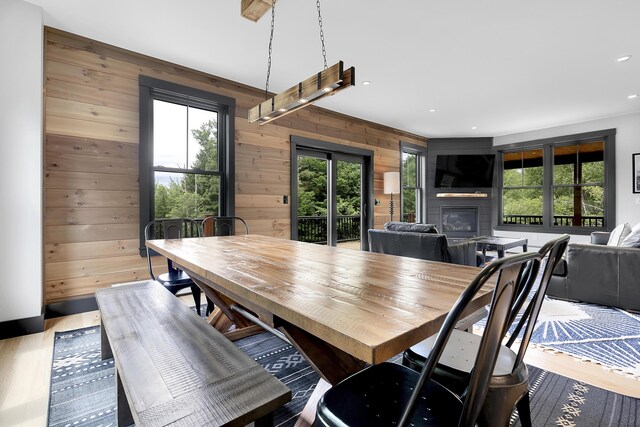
[
  {"x": 421, "y": 241},
  {"x": 599, "y": 274}
]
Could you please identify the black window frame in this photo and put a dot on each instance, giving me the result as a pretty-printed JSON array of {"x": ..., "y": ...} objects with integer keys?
[
  {"x": 421, "y": 180},
  {"x": 547, "y": 145},
  {"x": 154, "y": 89}
]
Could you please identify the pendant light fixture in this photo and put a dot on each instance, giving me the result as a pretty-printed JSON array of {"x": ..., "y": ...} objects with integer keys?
[{"x": 325, "y": 83}]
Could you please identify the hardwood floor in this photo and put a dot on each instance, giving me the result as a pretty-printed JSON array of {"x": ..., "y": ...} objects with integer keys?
[{"x": 25, "y": 369}]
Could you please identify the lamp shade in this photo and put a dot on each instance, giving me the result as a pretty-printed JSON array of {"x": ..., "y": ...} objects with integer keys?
[{"x": 391, "y": 182}]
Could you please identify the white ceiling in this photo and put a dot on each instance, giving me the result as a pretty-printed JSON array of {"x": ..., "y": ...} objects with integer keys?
[{"x": 504, "y": 66}]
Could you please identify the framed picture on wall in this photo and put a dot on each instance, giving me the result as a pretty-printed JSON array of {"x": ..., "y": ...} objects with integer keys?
[{"x": 636, "y": 172}]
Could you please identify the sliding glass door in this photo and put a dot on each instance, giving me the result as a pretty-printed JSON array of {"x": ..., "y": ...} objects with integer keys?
[
  {"x": 331, "y": 198},
  {"x": 313, "y": 197}
]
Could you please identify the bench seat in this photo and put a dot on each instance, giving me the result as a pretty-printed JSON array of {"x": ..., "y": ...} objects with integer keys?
[{"x": 175, "y": 369}]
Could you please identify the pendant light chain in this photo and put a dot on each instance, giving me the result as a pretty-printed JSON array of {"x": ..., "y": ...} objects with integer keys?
[
  {"x": 273, "y": 18},
  {"x": 324, "y": 51}
]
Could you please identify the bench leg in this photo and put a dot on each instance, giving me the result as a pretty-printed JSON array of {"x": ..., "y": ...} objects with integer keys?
[
  {"x": 105, "y": 347},
  {"x": 264, "y": 421},
  {"x": 124, "y": 411}
]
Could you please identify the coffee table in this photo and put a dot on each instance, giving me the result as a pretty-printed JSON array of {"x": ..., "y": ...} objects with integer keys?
[{"x": 500, "y": 244}]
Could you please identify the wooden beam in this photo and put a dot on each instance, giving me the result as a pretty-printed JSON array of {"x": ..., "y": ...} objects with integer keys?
[{"x": 254, "y": 9}]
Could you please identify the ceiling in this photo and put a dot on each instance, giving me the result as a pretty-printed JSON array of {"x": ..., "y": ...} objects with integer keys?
[{"x": 502, "y": 66}]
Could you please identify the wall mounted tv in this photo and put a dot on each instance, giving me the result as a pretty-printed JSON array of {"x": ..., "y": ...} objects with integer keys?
[{"x": 464, "y": 170}]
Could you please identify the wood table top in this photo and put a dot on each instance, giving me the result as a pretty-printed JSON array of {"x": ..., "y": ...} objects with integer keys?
[{"x": 369, "y": 305}]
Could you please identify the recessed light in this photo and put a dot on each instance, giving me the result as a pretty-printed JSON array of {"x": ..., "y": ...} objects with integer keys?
[
  {"x": 474, "y": 127},
  {"x": 282, "y": 110},
  {"x": 267, "y": 117},
  {"x": 366, "y": 83},
  {"x": 302, "y": 101},
  {"x": 634, "y": 96},
  {"x": 327, "y": 89},
  {"x": 433, "y": 110},
  {"x": 624, "y": 58}
]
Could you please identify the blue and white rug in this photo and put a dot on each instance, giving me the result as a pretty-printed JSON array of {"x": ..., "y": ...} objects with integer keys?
[
  {"x": 83, "y": 387},
  {"x": 606, "y": 336}
]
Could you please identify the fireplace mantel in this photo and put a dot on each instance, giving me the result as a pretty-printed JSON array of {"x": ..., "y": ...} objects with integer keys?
[{"x": 468, "y": 195}]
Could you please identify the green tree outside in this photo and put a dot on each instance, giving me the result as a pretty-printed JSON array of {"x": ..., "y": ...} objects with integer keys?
[
  {"x": 312, "y": 187},
  {"x": 193, "y": 195},
  {"x": 528, "y": 201}
]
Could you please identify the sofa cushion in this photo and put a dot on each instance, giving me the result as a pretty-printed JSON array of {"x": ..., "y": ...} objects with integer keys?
[
  {"x": 633, "y": 239},
  {"x": 619, "y": 234},
  {"x": 411, "y": 227}
]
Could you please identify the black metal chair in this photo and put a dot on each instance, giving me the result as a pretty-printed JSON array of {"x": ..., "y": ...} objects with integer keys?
[
  {"x": 173, "y": 228},
  {"x": 391, "y": 394},
  {"x": 221, "y": 226},
  {"x": 509, "y": 385}
]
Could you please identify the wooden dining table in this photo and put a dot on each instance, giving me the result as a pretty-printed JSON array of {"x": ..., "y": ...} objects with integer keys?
[{"x": 341, "y": 308}]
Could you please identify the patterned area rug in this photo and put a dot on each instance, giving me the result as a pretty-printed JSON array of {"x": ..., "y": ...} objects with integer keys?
[
  {"x": 83, "y": 387},
  {"x": 606, "y": 336},
  {"x": 561, "y": 401}
]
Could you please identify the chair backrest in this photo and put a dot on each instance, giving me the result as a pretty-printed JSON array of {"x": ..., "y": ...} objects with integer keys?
[
  {"x": 222, "y": 225},
  {"x": 509, "y": 270},
  {"x": 169, "y": 228},
  {"x": 172, "y": 228},
  {"x": 553, "y": 251},
  {"x": 429, "y": 246}
]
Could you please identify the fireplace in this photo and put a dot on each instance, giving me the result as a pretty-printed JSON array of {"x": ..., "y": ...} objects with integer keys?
[{"x": 459, "y": 221}]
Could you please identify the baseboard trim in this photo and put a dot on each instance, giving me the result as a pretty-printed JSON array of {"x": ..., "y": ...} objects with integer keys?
[
  {"x": 72, "y": 306},
  {"x": 19, "y": 327}
]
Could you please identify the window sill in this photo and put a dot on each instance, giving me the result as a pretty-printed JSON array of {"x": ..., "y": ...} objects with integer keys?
[{"x": 549, "y": 230}]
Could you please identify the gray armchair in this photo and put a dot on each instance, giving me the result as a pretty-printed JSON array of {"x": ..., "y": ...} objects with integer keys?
[
  {"x": 599, "y": 274},
  {"x": 421, "y": 241}
]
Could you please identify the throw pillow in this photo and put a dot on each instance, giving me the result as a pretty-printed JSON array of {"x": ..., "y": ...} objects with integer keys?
[
  {"x": 619, "y": 234},
  {"x": 633, "y": 239},
  {"x": 411, "y": 227}
]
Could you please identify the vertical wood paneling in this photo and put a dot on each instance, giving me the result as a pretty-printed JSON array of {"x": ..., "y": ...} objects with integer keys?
[{"x": 91, "y": 160}]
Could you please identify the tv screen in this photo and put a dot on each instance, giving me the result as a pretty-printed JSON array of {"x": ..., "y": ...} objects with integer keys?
[{"x": 464, "y": 170}]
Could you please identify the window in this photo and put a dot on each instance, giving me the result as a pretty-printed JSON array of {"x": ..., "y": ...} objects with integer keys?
[
  {"x": 578, "y": 185},
  {"x": 522, "y": 187},
  {"x": 412, "y": 170},
  {"x": 186, "y": 167},
  {"x": 564, "y": 184}
]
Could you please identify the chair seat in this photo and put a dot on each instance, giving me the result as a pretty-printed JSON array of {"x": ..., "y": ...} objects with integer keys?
[
  {"x": 179, "y": 280},
  {"x": 386, "y": 388},
  {"x": 460, "y": 353}
]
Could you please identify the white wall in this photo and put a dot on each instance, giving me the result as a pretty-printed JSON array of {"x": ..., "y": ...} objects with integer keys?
[
  {"x": 21, "y": 74},
  {"x": 627, "y": 142}
]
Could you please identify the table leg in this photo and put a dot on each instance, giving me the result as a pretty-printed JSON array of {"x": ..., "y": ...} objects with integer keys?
[
  {"x": 330, "y": 362},
  {"x": 484, "y": 254},
  {"x": 308, "y": 414},
  {"x": 223, "y": 318},
  {"x": 105, "y": 347},
  {"x": 500, "y": 253},
  {"x": 524, "y": 247},
  {"x": 125, "y": 418}
]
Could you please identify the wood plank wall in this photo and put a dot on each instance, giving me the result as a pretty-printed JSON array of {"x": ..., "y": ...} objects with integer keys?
[{"x": 91, "y": 160}]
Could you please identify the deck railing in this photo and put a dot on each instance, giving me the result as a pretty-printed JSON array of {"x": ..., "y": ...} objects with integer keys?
[
  {"x": 558, "y": 220},
  {"x": 314, "y": 229}
]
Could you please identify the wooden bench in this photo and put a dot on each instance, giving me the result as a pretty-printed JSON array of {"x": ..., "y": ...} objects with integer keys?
[{"x": 173, "y": 368}]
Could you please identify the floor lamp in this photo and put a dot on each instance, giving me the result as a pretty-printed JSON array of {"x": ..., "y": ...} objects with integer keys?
[{"x": 391, "y": 186}]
